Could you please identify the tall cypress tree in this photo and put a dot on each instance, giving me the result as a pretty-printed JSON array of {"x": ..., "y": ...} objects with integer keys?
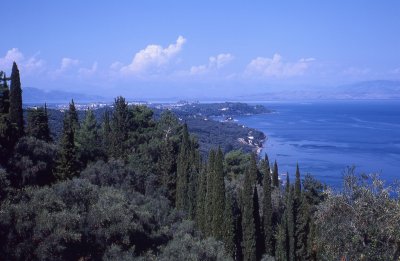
[
  {"x": 297, "y": 205},
  {"x": 121, "y": 125},
  {"x": 182, "y": 180},
  {"x": 191, "y": 197},
  {"x": 201, "y": 200},
  {"x": 229, "y": 233},
  {"x": 254, "y": 173},
  {"x": 106, "y": 133},
  {"x": 67, "y": 165},
  {"x": 248, "y": 226},
  {"x": 73, "y": 116},
  {"x": 281, "y": 251},
  {"x": 218, "y": 196},
  {"x": 238, "y": 217},
  {"x": 297, "y": 185},
  {"x": 303, "y": 231},
  {"x": 287, "y": 186},
  {"x": 168, "y": 129},
  {"x": 267, "y": 209},
  {"x": 291, "y": 224},
  {"x": 284, "y": 240},
  {"x": 193, "y": 172},
  {"x": 275, "y": 175},
  {"x": 167, "y": 168},
  {"x": 257, "y": 224},
  {"x": 209, "y": 195},
  {"x": 16, "y": 112},
  {"x": 266, "y": 159}
]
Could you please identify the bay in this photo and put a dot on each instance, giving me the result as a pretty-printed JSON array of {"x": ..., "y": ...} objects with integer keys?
[{"x": 326, "y": 137}]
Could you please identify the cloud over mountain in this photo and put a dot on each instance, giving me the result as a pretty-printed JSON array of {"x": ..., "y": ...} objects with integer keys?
[
  {"x": 214, "y": 63},
  {"x": 277, "y": 67}
]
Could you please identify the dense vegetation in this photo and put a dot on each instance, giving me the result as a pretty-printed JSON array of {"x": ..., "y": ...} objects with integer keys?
[
  {"x": 227, "y": 135},
  {"x": 210, "y": 133},
  {"x": 136, "y": 188},
  {"x": 225, "y": 109}
]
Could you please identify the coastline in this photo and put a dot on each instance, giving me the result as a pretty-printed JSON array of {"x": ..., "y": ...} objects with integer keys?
[
  {"x": 261, "y": 147},
  {"x": 253, "y": 139},
  {"x": 257, "y": 144}
]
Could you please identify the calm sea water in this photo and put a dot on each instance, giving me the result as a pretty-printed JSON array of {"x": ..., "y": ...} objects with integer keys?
[{"x": 326, "y": 137}]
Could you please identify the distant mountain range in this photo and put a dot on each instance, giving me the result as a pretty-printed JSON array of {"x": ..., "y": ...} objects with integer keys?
[
  {"x": 382, "y": 89},
  {"x": 35, "y": 95},
  {"x": 368, "y": 90}
]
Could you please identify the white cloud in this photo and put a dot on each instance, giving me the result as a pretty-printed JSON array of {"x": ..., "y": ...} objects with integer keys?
[
  {"x": 276, "y": 67},
  {"x": 33, "y": 64},
  {"x": 214, "y": 63},
  {"x": 12, "y": 55},
  {"x": 89, "y": 71},
  {"x": 116, "y": 66},
  {"x": 153, "y": 57},
  {"x": 67, "y": 63},
  {"x": 26, "y": 65}
]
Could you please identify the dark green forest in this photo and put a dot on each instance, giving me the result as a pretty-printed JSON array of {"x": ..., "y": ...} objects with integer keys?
[
  {"x": 132, "y": 186},
  {"x": 210, "y": 133}
]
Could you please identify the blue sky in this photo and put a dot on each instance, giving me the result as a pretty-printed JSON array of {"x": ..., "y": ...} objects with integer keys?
[{"x": 199, "y": 48}]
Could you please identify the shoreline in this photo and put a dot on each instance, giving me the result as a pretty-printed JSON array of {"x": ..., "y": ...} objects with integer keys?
[{"x": 261, "y": 147}]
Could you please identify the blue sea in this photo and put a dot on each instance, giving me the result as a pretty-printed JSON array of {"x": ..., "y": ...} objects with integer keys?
[{"x": 326, "y": 137}]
